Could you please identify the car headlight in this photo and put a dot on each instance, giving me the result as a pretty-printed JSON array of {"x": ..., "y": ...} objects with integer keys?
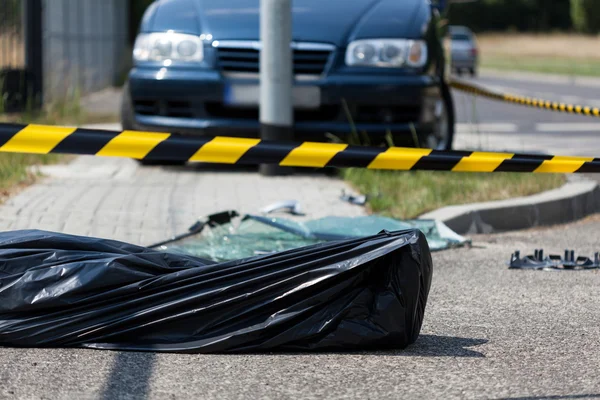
[
  {"x": 390, "y": 53},
  {"x": 168, "y": 46}
]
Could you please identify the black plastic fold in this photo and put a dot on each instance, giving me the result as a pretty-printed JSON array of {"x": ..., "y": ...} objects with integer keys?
[{"x": 59, "y": 290}]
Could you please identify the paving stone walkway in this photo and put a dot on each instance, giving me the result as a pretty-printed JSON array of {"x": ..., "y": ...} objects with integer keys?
[{"x": 118, "y": 199}]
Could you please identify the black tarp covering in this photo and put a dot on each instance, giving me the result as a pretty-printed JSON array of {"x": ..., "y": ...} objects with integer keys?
[{"x": 59, "y": 290}]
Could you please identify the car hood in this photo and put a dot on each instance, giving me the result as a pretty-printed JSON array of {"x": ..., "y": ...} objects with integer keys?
[{"x": 331, "y": 21}]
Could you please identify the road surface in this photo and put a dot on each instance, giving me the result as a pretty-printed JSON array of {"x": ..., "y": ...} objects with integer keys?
[
  {"x": 492, "y": 125},
  {"x": 489, "y": 332}
]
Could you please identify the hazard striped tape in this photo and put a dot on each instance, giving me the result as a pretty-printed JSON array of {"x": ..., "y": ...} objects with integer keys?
[
  {"x": 156, "y": 146},
  {"x": 524, "y": 100}
]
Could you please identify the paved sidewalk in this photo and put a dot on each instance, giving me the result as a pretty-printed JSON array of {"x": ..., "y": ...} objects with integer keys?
[
  {"x": 118, "y": 199},
  {"x": 106, "y": 102}
]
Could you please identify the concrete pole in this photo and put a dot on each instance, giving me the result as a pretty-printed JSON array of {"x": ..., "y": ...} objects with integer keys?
[{"x": 276, "y": 76}]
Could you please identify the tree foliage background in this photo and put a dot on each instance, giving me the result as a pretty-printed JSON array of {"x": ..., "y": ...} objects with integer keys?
[
  {"x": 528, "y": 15},
  {"x": 10, "y": 15},
  {"x": 585, "y": 15}
]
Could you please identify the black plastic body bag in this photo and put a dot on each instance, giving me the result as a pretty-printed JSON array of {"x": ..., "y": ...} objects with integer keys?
[{"x": 59, "y": 290}]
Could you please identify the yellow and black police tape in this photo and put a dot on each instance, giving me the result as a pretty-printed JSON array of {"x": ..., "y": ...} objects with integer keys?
[
  {"x": 156, "y": 146},
  {"x": 524, "y": 100}
]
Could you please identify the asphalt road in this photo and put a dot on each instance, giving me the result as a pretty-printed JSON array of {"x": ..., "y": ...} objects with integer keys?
[
  {"x": 489, "y": 333},
  {"x": 491, "y": 125}
]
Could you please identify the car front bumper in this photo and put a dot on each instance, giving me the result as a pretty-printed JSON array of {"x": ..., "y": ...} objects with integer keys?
[
  {"x": 196, "y": 101},
  {"x": 464, "y": 62}
]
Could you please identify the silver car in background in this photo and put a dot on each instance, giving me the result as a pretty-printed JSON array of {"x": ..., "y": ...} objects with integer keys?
[{"x": 464, "y": 50}]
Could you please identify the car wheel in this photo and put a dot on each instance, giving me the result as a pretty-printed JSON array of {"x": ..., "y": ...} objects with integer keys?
[
  {"x": 127, "y": 115},
  {"x": 442, "y": 136},
  {"x": 473, "y": 72},
  {"x": 128, "y": 124}
]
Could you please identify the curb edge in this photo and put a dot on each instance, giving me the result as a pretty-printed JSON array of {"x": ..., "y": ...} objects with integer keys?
[{"x": 575, "y": 200}]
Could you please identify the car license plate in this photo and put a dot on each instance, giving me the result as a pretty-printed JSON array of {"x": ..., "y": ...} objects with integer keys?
[{"x": 247, "y": 95}]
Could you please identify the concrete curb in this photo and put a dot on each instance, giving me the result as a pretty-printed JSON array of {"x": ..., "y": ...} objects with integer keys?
[{"x": 577, "y": 199}]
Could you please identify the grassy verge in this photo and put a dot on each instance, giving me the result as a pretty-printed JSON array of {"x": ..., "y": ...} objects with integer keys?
[
  {"x": 566, "y": 54},
  {"x": 14, "y": 168},
  {"x": 14, "y": 172},
  {"x": 547, "y": 65},
  {"x": 409, "y": 194}
]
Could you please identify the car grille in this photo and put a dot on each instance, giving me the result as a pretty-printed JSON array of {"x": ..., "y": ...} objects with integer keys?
[
  {"x": 310, "y": 62},
  {"x": 359, "y": 113},
  {"x": 321, "y": 114},
  {"x": 166, "y": 108}
]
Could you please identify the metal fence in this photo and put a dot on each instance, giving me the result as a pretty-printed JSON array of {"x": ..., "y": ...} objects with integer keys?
[
  {"x": 56, "y": 48},
  {"x": 20, "y": 65},
  {"x": 85, "y": 44},
  {"x": 12, "y": 35}
]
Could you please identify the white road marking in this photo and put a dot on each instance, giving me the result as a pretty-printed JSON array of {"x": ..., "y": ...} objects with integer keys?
[
  {"x": 572, "y": 99},
  {"x": 568, "y": 127},
  {"x": 528, "y": 142},
  {"x": 486, "y": 127},
  {"x": 562, "y": 80},
  {"x": 576, "y": 100},
  {"x": 501, "y": 127}
]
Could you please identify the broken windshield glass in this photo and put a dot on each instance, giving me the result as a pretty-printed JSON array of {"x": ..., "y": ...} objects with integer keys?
[{"x": 257, "y": 235}]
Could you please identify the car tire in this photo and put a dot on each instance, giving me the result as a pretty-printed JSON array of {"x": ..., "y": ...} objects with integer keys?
[
  {"x": 473, "y": 72},
  {"x": 127, "y": 115},
  {"x": 128, "y": 124},
  {"x": 442, "y": 136}
]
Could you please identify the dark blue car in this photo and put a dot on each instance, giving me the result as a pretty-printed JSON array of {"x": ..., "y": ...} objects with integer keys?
[{"x": 372, "y": 67}]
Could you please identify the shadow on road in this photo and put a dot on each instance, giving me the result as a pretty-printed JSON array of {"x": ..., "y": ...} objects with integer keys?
[
  {"x": 130, "y": 376},
  {"x": 131, "y": 372},
  {"x": 443, "y": 346},
  {"x": 238, "y": 168},
  {"x": 425, "y": 346}
]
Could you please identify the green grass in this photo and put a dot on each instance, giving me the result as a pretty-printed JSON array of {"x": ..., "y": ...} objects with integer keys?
[
  {"x": 14, "y": 168},
  {"x": 407, "y": 195},
  {"x": 549, "y": 65},
  {"x": 14, "y": 171},
  {"x": 555, "y": 53}
]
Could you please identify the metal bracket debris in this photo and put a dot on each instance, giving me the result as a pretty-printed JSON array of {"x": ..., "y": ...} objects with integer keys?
[
  {"x": 358, "y": 200},
  {"x": 537, "y": 261},
  {"x": 291, "y": 207},
  {"x": 212, "y": 220}
]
